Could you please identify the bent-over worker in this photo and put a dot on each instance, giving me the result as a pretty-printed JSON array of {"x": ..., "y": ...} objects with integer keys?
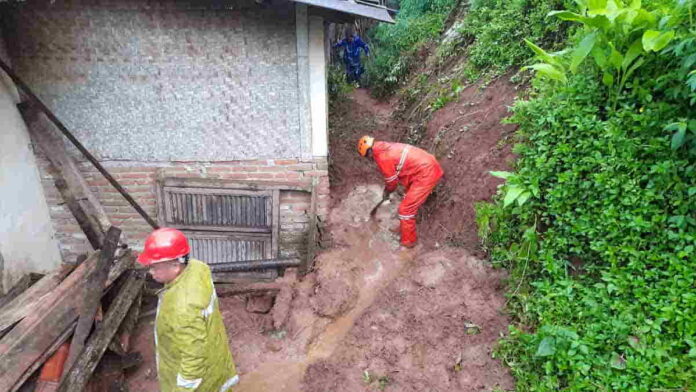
[
  {"x": 414, "y": 168},
  {"x": 190, "y": 338}
]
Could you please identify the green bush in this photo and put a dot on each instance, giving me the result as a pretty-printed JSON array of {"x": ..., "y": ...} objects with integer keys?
[
  {"x": 598, "y": 223},
  {"x": 498, "y": 27},
  {"x": 394, "y": 47}
]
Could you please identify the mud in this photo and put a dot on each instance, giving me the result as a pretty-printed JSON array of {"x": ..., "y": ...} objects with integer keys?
[{"x": 373, "y": 316}]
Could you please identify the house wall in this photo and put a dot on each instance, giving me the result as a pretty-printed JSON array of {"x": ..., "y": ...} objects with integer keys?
[
  {"x": 168, "y": 80},
  {"x": 27, "y": 242},
  {"x": 181, "y": 90}
]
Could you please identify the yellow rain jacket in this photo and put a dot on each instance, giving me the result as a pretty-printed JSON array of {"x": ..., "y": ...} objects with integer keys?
[{"x": 192, "y": 349}]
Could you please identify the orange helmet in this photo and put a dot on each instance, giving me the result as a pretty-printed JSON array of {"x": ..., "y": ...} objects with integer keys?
[
  {"x": 164, "y": 244},
  {"x": 365, "y": 143}
]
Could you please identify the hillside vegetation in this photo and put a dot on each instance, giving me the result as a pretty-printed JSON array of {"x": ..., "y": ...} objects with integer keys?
[{"x": 596, "y": 222}]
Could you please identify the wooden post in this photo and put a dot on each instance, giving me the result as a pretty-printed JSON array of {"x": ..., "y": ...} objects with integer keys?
[
  {"x": 312, "y": 235},
  {"x": 79, "y": 375},
  {"x": 92, "y": 295},
  {"x": 83, "y": 204}
]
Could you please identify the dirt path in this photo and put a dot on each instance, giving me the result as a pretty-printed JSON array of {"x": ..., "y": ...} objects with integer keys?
[{"x": 371, "y": 316}]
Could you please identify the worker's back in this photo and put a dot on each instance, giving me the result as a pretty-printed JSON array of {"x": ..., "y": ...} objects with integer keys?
[
  {"x": 192, "y": 346},
  {"x": 418, "y": 164}
]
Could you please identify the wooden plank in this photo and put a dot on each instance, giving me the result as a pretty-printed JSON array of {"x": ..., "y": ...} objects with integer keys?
[
  {"x": 224, "y": 229},
  {"x": 312, "y": 235},
  {"x": 44, "y": 357},
  {"x": 227, "y": 290},
  {"x": 29, "y": 300},
  {"x": 92, "y": 293},
  {"x": 84, "y": 205},
  {"x": 22, "y": 284},
  {"x": 303, "y": 186},
  {"x": 35, "y": 334},
  {"x": 275, "y": 227},
  {"x": 79, "y": 375},
  {"x": 218, "y": 191}
]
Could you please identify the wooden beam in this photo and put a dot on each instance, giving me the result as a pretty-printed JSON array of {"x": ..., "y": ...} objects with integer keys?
[
  {"x": 79, "y": 375},
  {"x": 35, "y": 334},
  {"x": 312, "y": 235},
  {"x": 83, "y": 204},
  {"x": 299, "y": 185},
  {"x": 29, "y": 300},
  {"x": 22, "y": 284},
  {"x": 92, "y": 295}
]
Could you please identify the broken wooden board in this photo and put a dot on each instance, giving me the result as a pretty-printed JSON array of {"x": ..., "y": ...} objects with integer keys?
[
  {"x": 22, "y": 284},
  {"x": 81, "y": 201},
  {"x": 26, "y": 303},
  {"x": 91, "y": 295},
  {"x": 37, "y": 332},
  {"x": 80, "y": 373}
]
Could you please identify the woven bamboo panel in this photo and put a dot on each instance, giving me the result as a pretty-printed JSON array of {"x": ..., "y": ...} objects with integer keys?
[{"x": 162, "y": 81}]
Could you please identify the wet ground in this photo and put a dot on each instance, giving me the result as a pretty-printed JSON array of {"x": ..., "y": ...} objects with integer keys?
[{"x": 371, "y": 311}]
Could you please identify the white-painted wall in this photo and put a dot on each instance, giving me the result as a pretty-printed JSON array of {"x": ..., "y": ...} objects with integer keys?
[
  {"x": 27, "y": 241},
  {"x": 318, "y": 87}
]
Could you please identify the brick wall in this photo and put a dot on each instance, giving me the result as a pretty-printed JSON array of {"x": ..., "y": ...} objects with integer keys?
[{"x": 139, "y": 179}]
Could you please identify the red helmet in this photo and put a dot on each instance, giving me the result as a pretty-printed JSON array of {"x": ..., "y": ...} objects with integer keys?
[{"x": 164, "y": 244}]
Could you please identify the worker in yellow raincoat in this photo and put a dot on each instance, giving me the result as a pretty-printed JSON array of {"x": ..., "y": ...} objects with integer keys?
[{"x": 192, "y": 349}]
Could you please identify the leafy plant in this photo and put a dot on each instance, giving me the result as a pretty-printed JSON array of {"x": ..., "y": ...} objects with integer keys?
[{"x": 616, "y": 36}]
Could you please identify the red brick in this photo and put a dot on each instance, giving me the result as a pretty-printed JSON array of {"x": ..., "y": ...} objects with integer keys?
[
  {"x": 271, "y": 169},
  {"x": 286, "y": 161}
]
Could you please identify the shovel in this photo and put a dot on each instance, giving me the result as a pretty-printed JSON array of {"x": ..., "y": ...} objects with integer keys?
[{"x": 374, "y": 210}]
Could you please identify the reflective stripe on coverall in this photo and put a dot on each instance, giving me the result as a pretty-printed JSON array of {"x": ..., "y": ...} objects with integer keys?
[
  {"x": 418, "y": 171},
  {"x": 191, "y": 343}
]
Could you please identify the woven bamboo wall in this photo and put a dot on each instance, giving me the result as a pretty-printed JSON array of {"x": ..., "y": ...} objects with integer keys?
[{"x": 165, "y": 80}]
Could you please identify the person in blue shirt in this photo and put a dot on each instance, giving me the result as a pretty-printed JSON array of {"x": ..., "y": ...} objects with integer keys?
[{"x": 351, "y": 45}]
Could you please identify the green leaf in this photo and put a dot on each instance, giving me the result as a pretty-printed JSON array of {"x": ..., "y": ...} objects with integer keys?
[
  {"x": 541, "y": 53},
  {"x": 512, "y": 193},
  {"x": 600, "y": 57},
  {"x": 634, "y": 342},
  {"x": 548, "y": 71},
  {"x": 582, "y": 51},
  {"x": 523, "y": 197},
  {"x": 617, "y": 362},
  {"x": 634, "y": 51},
  {"x": 692, "y": 125},
  {"x": 655, "y": 40},
  {"x": 569, "y": 16},
  {"x": 615, "y": 58},
  {"x": 547, "y": 347},
  {"x": 607, "y": 79},
  {"x": 678, "y": 138},
  {"x": 597, "y": 6},
  {"x": 502, "y": 174}
]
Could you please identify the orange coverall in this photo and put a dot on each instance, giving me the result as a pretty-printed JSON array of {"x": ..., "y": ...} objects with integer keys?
[{"x": 418, "y": 171}]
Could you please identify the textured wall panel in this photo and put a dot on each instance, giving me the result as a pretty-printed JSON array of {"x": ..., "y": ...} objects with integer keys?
[{"x": 163, "y": 81}]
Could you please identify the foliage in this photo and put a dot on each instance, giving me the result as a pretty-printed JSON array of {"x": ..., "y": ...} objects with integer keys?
[
  {"x": 617, "y": 37},
  {"x": 338, "y": 86},
  {"x": 601, "y": 249},
  {"x": 497, "y": 28},
  {"x": 394, "y": 47}
]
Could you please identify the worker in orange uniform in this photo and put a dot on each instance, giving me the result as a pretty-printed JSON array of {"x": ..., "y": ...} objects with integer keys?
[
  {"x": 415, "y": 169},
  {"x": 190, "y": 337}
]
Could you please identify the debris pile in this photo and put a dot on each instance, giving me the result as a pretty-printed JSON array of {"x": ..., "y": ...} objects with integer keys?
[{"x": 72, "y": 323}]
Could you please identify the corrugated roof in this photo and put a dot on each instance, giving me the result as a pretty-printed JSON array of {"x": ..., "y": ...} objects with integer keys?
[{"x": 353, "y": 8}]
